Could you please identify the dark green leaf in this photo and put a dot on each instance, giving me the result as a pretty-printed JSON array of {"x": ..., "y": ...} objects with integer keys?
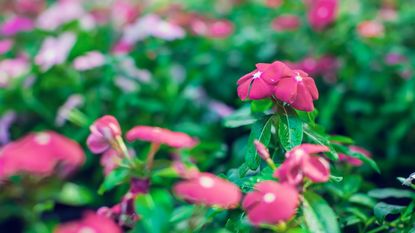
[
  {"x": 116, "y": 177},
  {"x": 382, "y": 209},
  {"x": 319, "y": 216},
  {"x": 239, "y": 118},
  {"x": 290, "y": 129},
  {"x": 391, "y": 192}
]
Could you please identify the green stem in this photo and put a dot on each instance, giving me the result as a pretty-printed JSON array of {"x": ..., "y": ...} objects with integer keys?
[{"x": 150, "y": 156}]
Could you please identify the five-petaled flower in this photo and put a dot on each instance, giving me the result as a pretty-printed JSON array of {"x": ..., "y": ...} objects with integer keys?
[{"x": 90, "y": 223}]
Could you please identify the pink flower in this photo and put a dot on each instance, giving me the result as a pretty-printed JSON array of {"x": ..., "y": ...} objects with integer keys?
[
  {"x": 110, "y": 160},
  {"x": 298, "y": 89},
  {"x": 90, "y": 223},
  {"x": 161, "y": 136},
  {"x": 352, "y": 160},
  {"x": 5, "y": 46},
  {"x": 54, "y": 51},
  {"x": 124, "y": 12},
  {"x": 300, "y": 162},
  {"x": 40, "y": 153},
  {"x": 286, "y": 23},
  {"x": 271, "y": 203},
  {"x": 370, "y": 29},
  {"x": 89, "y": 61},
  {"x": 394, "y": 58},
  {"x": 208, "y": 189},
  {"x": 220, "y": 29},
  {"x": 15, "y": 25},
  {"x": 258, "y": 84},
  {"x": 12, "y": 68},
  {"x": 60, "y": 13},
  {"x": 262, "y": 150},
  {"x": 32, "y": 7},
  {"x": 103, "y": 131},
  {"x": 122, "y": 47},
  {"x": 322, "y": 13},
  {"x": 273, "y": 3}
]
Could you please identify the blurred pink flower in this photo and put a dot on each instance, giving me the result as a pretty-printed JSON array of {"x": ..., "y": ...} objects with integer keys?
[
  {"x": 16, "y": 24},
  {"x": 208, "y": 189},
  {"x": 103, "y": 131},
  {"x": 322, "y": 13},
  {"x": 370, "y": 29},
  {"x": 91, "y": 223},
  {"x": 5, "y": 45},
  {"x": 220, "y": 108},
  {"x": 124, "y": 12},
  {"x": 40, "y": 153},
  {"x": 273, "y": 3},
  {"x": 110, "y": 160},
  {"x": 32, "y": 7},
  {"x": 388, "y": 14},
  {"x": 220, "y": 29},
  {"x": 54, "y": 51},
  {"x": 12, "y": 68},
  {"x": 262, "y": 150},
  {"x": 89, "y": 61},
  {"x": 122, "y": 47},
  {"x": 394, "y": 58},
  {"x": 161, "y": 136},
  {"x": 300, "y": 162},
  {"x": 64, "y": 111},
  {"x": 286, "y": 23},
  {"x": 352, "y": 160},
  {"x": 60, "y": 13},
  {"x": 299, "y": 90},
  {"x": 271, "y": 203},
  {"x": 6, "y": 120}
]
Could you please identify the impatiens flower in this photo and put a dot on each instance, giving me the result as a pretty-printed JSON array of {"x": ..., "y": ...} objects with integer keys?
[
  {"x": 322, "y": 13},
  {"x": 89, "y": 61},
  {"x": 220, "y": 29},
  {"x": 286, "y": 23},
  {"x": 352, "y": 160},
  {"x": 15, "y": 25},
  {"x": 91, "y": 223},
  {"x": 300, "y": 162},
  {"x": 161, "y": 136},
  {"x": 6, "y": 120},
  {"x": 60, "y": 13},
  {"x": 40, "y": 153},
  {"x": 12, "y": 68},
  {"x": 5, "y": 46},
  {"x": 65, "y": 110},
  {"x": 258, "y": 84},
  {"x": 103, "y": 131},
  {"x": 54, "y": 51},
  {"x": 299, "y": 90},
  {"x": 208, "y": 189},
  {"x": 271, "y": 203},
  {"x": 370, "y": 29}
]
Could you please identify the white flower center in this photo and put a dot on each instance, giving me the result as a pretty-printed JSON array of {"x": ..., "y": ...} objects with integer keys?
[
  {"x": 269, "y": 197},
  {"x": 298, "y": 78},
  {"x": 206, "y": 182},
  {"x": 257, "y": 75},
  {"x": 322, "y": 12},
  {"x": 42, "y": 138},
  {"x": 299, "y": 152},
  {"x": 86, "y": 230}
]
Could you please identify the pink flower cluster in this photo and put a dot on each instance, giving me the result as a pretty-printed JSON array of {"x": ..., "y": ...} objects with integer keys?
[
  {"x": 278, "y": 81},
  {"x": 90, "y": 223}
]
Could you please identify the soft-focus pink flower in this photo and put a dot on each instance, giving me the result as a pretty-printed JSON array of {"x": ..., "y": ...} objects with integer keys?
[
  {"x": 60, "y": 13},
  {"x": 5, "y": 45},
  {"x": 300, "y": 162},
  {"x": 370, "y": 29},
  {"x": 299, "y": 90},
  {"x": 32, "y": 7},
  {"x": 110, "y": 160},
  {"x": 271, "y": 203},
  {"x": 322, "y": 13},
  {"x": 40, "y": 153},
  {"x": 15, "y": 25},
  {"x": 286, "y": 23},
  {"x": 103, "y": 131},
  {"x": 220, "y": 29},
  {"x": 124, "y": 12},
  {"x": 91, "y": 223},
  {"x": 89, "y": 61},
  {"x": 220, "y": 108},
  {"x": 54, "y": 51},
  {"x": 388, "y": 14},
  {"x": 352, "y": 160},
  {"x": 65, "y": 110},
  {"x": 208, "y": 189},
  {"x": 122, "y": 47},
  {"x": 6, "y": 120},
  {"x": 273, "y": 3},
  {"x": 161, "y": 136},
  {"x": 12, "y": 68},
  {"x": 394, "y": 58},
  {"x": 262, "y": 150},
  {"x": 258, "y": 84}
]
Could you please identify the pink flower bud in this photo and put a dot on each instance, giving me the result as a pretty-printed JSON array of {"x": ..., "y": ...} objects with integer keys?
[{"x": 262, "y": 150}]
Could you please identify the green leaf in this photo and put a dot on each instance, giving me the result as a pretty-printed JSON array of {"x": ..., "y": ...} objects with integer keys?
[
  {"x": 115, "y": 178},
  {"x": 382, "y": 210},
  {"x": 76, "y": 195},
  {"x": 261, "y": 131},
  {"x": 319, "y": 216},
  {"x": 336, "y": 179},
  {"x": 261, "y": 105},
  {"x": 321, "y": 139},
  {"x": 239, "y": 118},
  {"x": 391, "y": 193},
  {"x": 155, "y": 210},
  {"x": 290, "y": 129},
  {"x": 341, "y": 139}
]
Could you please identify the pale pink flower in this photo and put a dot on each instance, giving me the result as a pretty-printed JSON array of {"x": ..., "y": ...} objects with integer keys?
[
  {"x": 322, "y": 13},
  {"x": 12, "y": 68},
  {"x": 161, "y": 136},
  {"x": 122, "y": 47},
  {"x": 103, "y": 131},
  {"x": 395, "y": 58},
  {"x": 370, "y": 29},
  {"x": 208, "y": 189},
  {"x": 60, "y": 13},
  {"x": 15, "y": 25},
  {"x": 5, "y": 46},
  {"x": 124, "y": 12},
  {"x": 220, "y": 28},
  {"x": 352, "y": 160},
  {"x": 91, "y": 223},
  {"x": 286, "y": 23},
  {"x": 273, "y": 3},
  {"x": 271, "y": 203},
  {"x": 54, "y": 51},
  {"x": 110, "y": 160},
  {"x": 89, "y": 61},
  {"x": 73, "y": 101}
]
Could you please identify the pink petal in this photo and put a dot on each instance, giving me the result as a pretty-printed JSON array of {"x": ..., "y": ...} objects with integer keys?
[
  {"x": 311, "y": 86},
  {"x": 97, "y": 144},
  {"x": 316, "y": 169},
  {"x": 303, "y": 101},
  {"x": 286, "y": 90},
  {"x": 260, "y": 90}
]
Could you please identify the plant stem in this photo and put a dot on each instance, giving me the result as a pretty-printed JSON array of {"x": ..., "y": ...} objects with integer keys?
[{"x": 150, "y": 156}]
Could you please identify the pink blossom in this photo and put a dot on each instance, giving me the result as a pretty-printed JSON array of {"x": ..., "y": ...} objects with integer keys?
[
  {"x": 299, "y": 90},
  {"x": 220, "y": 108},
  {"x": 322, "y": 13},
  {"x": 273, "y": 3},
  {"x": 103, "y": 131},
  {"x": 40, "y": 153},
  {"x": 300, "y": 162},
  {"x": 258, "y": 84},
  {"x": 271, "y": 203},
  {"x": 15, "y": 25},
  {"x": 60, "y": 13},
  {"x": 352, "y": 160},
  {"x": 124, "y": 12},
  {"x": 65, "y": 110},
  {"x": 262, "y": 150},
  {"x": 286, "y": 23},
  {"x": 5, "y": 46},
  {"x": 205, "y": 189},
  {"x": 12, "y": 68},
  {"x": 32, "y": 7},
  {"x": 220, "y": 29},
  {"x": 122, "y": 47},
  {"x": 370, "y": 29},
  {"x": 89, "y": 61},
  {"x": 161, "y": 136},
  {"x": 54, "y": 51},
  {"x": 394, "y": 58},
  {"x": 110, "y": 160},
  {"x": 90, "y": 223},
  {"x": 388, "y": 14}
]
